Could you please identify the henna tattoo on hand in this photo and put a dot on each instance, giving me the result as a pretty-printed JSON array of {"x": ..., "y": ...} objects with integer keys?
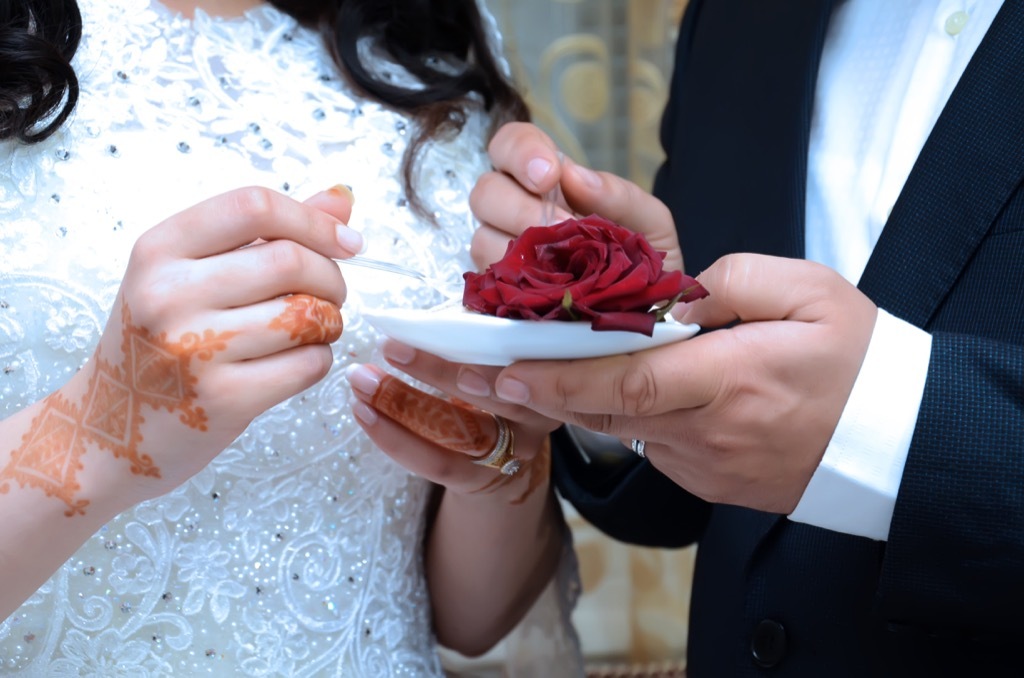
[
  {"x": 439, "y": 421},
  {"x": 455, "y": 426},
  {"x": 309, "y": 319},
  {"x": 153, "y": 372}
]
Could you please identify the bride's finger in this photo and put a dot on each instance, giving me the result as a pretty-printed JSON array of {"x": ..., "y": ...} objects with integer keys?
[
  {"x": 488, "y": 245},
  {"x": 273, "y": 326},
  {"x": 527, "y": 153},
  {"x": 451, "y": 443},
  {"x": 259, "y": 384},
  {"x": 424, "y": 457},
  {"x": 419, "y": 431},
  {"x": 242, "y": 216},
  {"x": 501, "y": 202},
  {"x": 336, "y": 201},
  {"x": 472, "y": 384},
  {"x": 271, "y": 270},
  {"x": 455, "y": 427}
]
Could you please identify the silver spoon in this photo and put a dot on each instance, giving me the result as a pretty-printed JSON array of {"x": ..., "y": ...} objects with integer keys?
[
  {"x": 549, "y": 201},
  {"x": 447, "y": 288}
]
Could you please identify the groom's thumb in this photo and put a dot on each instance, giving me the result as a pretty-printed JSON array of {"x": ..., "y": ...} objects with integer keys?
[{"x": 754, "y": 287}]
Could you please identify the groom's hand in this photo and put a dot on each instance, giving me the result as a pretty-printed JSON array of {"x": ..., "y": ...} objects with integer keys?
[{"x": 740, "y": 415}]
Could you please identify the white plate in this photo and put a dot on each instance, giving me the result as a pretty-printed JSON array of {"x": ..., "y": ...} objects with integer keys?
[{"x": 463, "y": 336}]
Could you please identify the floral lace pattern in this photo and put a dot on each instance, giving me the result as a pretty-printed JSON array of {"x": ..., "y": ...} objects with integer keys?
[{"x": 296, "y": 552}]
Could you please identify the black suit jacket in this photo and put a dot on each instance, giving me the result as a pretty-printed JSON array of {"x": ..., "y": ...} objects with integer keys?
[{"x": 945, "y": 594}]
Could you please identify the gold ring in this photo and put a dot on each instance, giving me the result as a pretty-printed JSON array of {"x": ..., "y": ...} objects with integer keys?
[{"x": 503, "y": 456}]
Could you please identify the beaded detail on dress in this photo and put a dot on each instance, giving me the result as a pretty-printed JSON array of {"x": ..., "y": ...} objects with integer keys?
[{"x": 296, "y": 552}]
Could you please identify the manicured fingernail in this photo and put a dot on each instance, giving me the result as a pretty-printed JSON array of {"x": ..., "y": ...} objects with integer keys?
[
  {"x": 350, "y": 239},
  {"x": 589, "y": 177},
  {"x": 364, "y": 413},
  {"x": 397, "y": 352},
  {"x": 537, "y": 169},
  {"x": 472, "y": 383},
  {"x": 363, "y": 379},
  {"x": 343, "y": 191},
  {"x": 513, "y": 391}
]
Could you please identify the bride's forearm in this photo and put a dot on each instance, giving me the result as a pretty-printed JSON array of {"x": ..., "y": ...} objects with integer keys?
[
  {"x": 496, "y": 534},
  {"x": 50, "y": 501},
  {"x": 487, "y": 560}
]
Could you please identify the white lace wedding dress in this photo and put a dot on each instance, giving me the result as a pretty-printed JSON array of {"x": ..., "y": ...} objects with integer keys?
[{"x": 296, "y": 552}]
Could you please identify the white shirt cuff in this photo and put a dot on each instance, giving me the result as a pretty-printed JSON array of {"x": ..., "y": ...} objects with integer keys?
[{"x": 854, "y": 487}]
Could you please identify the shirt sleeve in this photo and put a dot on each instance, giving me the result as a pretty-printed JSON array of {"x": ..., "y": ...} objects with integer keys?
[{"x": 854, "y": 487}]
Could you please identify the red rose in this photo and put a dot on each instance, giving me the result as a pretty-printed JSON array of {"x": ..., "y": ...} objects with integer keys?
[{"x": 588, "y": 268}]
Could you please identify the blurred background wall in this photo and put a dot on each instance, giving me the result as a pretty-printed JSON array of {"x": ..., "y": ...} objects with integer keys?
[{"x": 596, "y": 75}]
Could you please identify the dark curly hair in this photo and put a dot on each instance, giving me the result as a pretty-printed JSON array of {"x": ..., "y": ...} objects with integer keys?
[
  {"x": 38, "y": 87},
  {"x": 442, "y": 42}
]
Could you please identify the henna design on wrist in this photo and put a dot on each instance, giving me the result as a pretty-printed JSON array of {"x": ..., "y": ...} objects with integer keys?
[
  {"x": 309, "y": 319},
  {"x": 154, "y": 372}
]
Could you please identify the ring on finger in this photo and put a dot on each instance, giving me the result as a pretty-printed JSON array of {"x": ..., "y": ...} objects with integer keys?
[{"x": 503, "y": 455}]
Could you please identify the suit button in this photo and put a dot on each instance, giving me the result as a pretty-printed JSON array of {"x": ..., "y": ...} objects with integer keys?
[{"x": 768, "y": 644}]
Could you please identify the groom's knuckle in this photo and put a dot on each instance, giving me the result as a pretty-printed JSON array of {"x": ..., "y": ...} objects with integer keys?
[
  {"x": 733, "y": 274},
  {"x": 638, "y": 390},
  {"x": 718, "y": 444},
  {"x": 565, "y": 392}
]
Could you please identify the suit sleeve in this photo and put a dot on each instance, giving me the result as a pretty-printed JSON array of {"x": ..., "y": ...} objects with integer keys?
[
  {"x": 662, "y": 178},
  {"x": 626, "y": 497},
  {"x": 955, "y": 556}
]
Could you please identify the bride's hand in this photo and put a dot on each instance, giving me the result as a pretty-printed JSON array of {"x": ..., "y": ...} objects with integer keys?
[
  {"x": 493, "y": 541},
  {"x": 225, "y": 309},
  {"x": 526, "y": 164},
  {"x": 440, "y": 438}
]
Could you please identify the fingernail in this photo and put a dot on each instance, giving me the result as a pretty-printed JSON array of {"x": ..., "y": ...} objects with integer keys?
[
  {"x": 536, "y": 170},
  {"x": 397, "y": 352},
  {"x": 363, "y": 379},
  {"x": 513, "y": 391},
  {"x": 350, "y": 239},
  {"x": 343, "y": 191},
  {"x": 364, "y": 413},
  {"x": 589, "y": 177},
  {"x": 680, "y": 309},
  {"x": 472, "y": 383}
]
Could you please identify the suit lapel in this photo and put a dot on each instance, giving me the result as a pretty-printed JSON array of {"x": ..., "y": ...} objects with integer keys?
[
  {"x": 766, "y": 94},
  {"x": 966, "y": 172},
  {"x": 739, "y": 133}
]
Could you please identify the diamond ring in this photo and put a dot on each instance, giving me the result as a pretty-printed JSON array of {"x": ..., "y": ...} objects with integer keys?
[{"x": 503, "y": 456}]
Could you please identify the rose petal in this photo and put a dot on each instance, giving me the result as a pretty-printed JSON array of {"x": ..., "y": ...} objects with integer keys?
[
  {"x": 625, "y": 322},
  {"x": 610, "y": 275}
]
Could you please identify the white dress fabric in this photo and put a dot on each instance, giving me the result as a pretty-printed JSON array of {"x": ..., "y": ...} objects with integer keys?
[{"x": 296, "y": 552}]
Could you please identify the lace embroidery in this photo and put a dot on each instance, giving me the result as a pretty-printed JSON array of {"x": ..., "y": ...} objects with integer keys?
[{"x": 296, "y": 552}]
